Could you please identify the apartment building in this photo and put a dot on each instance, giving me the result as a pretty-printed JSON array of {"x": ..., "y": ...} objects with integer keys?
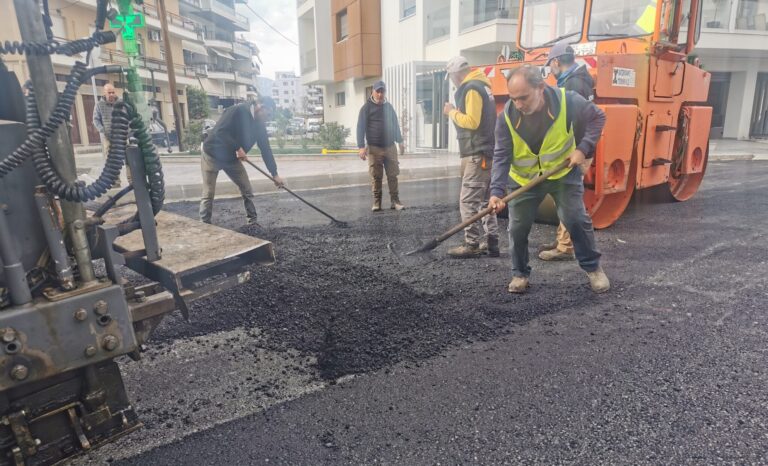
[
  {"x": 340, "y": 47},
  {"x": 416, "y": 37},
  {"x": 289, "y": 93},
  {"x": 203, "y": 44}
]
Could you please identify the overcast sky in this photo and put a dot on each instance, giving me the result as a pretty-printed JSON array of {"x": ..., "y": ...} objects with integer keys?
[{"x": 277, "y": 54}]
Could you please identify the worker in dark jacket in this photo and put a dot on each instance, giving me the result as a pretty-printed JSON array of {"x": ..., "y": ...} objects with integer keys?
[
  {"x": 377, "y": 125},
  {"x": 572, "y": 77},
  {"x": 540, "y": 128},
  {"x": 226, "y": 146}
]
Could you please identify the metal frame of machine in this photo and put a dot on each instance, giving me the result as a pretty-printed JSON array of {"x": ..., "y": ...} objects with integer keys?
[{"x": 62, "y": 323}]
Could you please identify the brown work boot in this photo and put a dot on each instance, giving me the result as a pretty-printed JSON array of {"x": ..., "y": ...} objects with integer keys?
[
  {"x": 518, "y": 285},
  {"x": 464, "y": 251},
  {"x": 598, "y": 280},
  {"x": 376, "y": 205},
  {"x": 556, "y": 255},
  {"x": 490, "y": 247},
  {"x": 547, "y": 246}
]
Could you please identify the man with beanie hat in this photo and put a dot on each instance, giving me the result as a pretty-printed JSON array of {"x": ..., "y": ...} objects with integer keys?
[
  {"x": 378, "y": 127},
  {"x": 475, "y": 119}
]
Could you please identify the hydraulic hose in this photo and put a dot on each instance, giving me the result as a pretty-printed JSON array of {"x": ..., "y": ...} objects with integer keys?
[
  {"x": 104, "y": 208},
  {"x": 36, "y": 136},
  {"x": 52, "y": 47},
  {"x": 124, "y": 118},
  {"x": 152, "y": 165}
]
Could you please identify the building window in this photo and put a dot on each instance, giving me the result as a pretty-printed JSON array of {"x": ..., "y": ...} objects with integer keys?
[
  {"x": 341, "y": 99},
  {"x": 407, "y": 8},
  {"x": 341, "y": 25}
]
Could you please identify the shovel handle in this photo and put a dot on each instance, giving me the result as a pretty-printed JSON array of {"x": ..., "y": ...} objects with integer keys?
[
  {"x": 516, "y": 193},
  {"x": 294, "y": 194}
]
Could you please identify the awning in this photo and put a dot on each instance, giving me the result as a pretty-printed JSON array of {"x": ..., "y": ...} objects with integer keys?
[
  {"x": 193, "y": 47},
  {"x": 223, "y": 54}
]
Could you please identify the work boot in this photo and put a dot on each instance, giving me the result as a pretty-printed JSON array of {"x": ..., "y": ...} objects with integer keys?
[
  {"x": 598, "y": 280},
  {"x": 547, "y": 246},
  {"x": 518, "y": 285},
  {"x": 376, "y": 189},
  {"x": 556, "y": 255},
  {"x": 397, "y": 205},
  {"x": 464, "y": 251},
  {"x": 394, "y": 193},
  {"x": 490, "y": 247}
]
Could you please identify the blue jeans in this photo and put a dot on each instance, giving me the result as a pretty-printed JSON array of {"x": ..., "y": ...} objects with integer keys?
[{"x": 572, "y": 213}]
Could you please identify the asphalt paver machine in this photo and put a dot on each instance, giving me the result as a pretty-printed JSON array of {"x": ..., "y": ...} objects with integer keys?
[
  {"x": 651, "y": 87},
  {"x": 66, "y": 310}
]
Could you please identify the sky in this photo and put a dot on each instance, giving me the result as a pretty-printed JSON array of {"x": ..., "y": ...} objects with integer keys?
[{"x": 277, "y": 53}]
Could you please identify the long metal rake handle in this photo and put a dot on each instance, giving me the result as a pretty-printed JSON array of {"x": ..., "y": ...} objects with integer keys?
[{"x": 296, "y": 195}]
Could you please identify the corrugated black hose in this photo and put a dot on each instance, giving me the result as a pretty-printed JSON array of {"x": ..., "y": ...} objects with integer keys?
[{"x": 52, "y": 47}]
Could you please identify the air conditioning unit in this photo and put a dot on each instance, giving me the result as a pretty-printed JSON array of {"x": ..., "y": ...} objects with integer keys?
[{"x": 154, "y": 35}]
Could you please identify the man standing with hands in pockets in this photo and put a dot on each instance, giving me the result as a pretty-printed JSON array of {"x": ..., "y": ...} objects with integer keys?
[{"x": 377, "y": 125}]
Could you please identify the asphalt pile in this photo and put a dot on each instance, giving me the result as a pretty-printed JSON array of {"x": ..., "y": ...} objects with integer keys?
[{"x": 350, "y": 297}]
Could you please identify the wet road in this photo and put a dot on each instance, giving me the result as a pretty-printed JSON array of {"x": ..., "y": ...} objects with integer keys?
[{"x": 346, "y": 353}]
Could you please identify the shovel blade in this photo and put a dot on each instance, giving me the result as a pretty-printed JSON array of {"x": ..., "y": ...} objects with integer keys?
[{"x": 426, "y": 247}]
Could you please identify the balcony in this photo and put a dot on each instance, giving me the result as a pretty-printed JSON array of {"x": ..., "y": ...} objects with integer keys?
[
  {"x": 241, "y": 49},
  {"x": 738, "y": 24},
  {"x": 476, "y": 12},
  {"x": 177, "y": 25},
  {"x": 220, "y": 11},
  {"x": 150, "y": 67}
]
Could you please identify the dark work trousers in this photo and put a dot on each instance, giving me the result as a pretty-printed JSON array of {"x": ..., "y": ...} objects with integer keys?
[
  {"x": 573, "y": 214},
  {"x": 236, "y": 172}
]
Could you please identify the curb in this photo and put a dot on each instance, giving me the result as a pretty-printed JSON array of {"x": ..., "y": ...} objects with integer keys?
[{"x": 193, "y": 191}]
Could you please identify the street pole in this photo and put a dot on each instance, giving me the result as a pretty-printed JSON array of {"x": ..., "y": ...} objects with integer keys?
[
  {"x": 171, "y": 72},
  {"x": 28, "y": 14}
]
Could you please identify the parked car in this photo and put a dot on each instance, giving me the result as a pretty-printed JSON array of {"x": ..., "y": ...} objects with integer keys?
[{"x": 271, "y": 128}]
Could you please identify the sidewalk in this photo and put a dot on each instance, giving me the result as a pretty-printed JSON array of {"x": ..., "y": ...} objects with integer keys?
[{"x": 302, "y": 172}]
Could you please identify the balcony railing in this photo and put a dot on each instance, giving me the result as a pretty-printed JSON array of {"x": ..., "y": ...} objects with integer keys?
[
  {"x": 116, "y": 57},
  {"x": 174, "y": 19},
  {"x": 474, "y": 12},
  {"x": 735, "y": 15}
]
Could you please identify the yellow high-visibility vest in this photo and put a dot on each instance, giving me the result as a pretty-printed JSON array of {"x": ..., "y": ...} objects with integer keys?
[
  {"x": 648, "y": 18},
  {"x": 558, "y": 144}
]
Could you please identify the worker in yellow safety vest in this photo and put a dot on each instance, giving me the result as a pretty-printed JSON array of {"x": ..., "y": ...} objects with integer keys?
[
  {"x": 647, "y": 20},
  {"x": 540, "y": 128}
]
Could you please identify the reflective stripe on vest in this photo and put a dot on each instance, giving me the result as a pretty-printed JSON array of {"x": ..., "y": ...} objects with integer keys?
[{"x": 557, "y": 145}]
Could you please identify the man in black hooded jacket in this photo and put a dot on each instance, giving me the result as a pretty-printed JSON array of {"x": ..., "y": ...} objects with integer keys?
[{"x": 573, "y": 77}]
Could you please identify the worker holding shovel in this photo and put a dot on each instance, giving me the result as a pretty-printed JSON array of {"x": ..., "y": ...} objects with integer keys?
[
  {"x": 541, "y": 128},
  {"x": 226, "y": 148}
]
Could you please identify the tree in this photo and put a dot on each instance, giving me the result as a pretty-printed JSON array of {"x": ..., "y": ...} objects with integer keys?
[
  {"x": 197, "y": 100},
  {"x": 281, "y": 121}
]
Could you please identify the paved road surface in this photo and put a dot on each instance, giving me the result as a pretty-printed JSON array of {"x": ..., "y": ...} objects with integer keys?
[{"x": 344, "y": 353}]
